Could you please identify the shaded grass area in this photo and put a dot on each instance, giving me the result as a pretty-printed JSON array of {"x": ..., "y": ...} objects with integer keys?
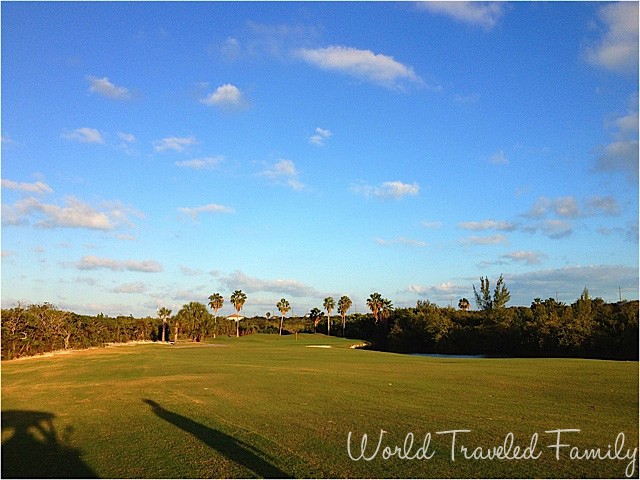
[{"x": 267, "y": 406}]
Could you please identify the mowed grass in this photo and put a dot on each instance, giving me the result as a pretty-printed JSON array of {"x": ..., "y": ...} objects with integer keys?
[{"x": 269, "y": 406}]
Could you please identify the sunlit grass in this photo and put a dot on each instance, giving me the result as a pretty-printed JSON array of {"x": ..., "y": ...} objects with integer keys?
[{"x": 264, "y": 405}]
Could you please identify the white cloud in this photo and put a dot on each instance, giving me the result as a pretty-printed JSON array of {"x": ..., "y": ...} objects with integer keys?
[
  {"x": 498, "y": 239},
  {"x": 231, "y": 48},
  {"x": 528, "y": 257},
  {"x": 73, "y": 214},
  {"x": 628, "y": 123},
  {"x": 284, "y": 172},
  {"x": 90, "y": 262},
  {"x": 84, "y": 135},
  {"x": 562, "y": 206},
  {"x": 226, "y": 96},
  {"x": 238, "y": 280},
  {"x": 602, "y": 206},
  {"x": 194, "y": 212},
  {"x": 377, "y": 68},
  {"x": 488, "y": 225},
  {"x": 617, "y": 50},
  {"x": 126, "y": 137},
  {"x": 408, "y": 242},
  {"x": 619, "y": 156},
  {"x": 36, "y": 187},
  {"x": 441, "y": 291},
  {"x": 395, "y": 189},
  {"x": 320, "y": 136},
  {"x": 201, "y": 163},
  {"x": 105, "y": 88},
  {"x": 431, "y": 225},
  {"x": 569, "y": 281},
  {"x": 190, "y": 271},
  {"x": 499, "y": 158},
  {"x": 177, "y": 144},
  {"x": 483, "y": 14},
  {"x": 135, "y": 287},
  {"x": 554, "y": 229},
  {"x": 570, "y": 207}
]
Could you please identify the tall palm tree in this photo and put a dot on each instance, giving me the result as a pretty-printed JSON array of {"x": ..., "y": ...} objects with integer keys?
[
  {"x": 238, "y": 298},
  {"x": 344, "y": 304},
  {"x": 329, "y": 304},
  {"x": 315, "y": 315},
  {"x": 284, "y": 307},
  {"x": 387, "y": 308},
  {"x": 215, "y": 303},
  {"x": 164, "y": 313},
  {"x": 375, "y": 302}
]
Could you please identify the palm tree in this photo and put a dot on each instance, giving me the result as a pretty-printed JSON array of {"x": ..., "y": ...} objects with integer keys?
[
  {"x": 387, "y": 308},
  {"x": 463, "y": 304},
  {"x": 329, "y": 304},
  {"x": 164, "y": 313},
  {"x": 215, "y": 303},
  {"x": 375, "y": 302},
  {"x": 238, "y": 298},
  {"x": 315, "y": 315},
  {"x": 344, "y": 304},
  {"x": 284, "y": 307}
]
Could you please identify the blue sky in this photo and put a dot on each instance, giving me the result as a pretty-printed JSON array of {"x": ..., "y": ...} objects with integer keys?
[{"x": 155, "y": 153}]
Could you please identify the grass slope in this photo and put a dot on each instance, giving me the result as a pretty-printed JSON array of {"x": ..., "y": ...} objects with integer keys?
[{"x": 268, "y": 406}]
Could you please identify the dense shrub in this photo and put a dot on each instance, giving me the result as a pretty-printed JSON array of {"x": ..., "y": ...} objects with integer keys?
[{"x": 587, "y": 328}]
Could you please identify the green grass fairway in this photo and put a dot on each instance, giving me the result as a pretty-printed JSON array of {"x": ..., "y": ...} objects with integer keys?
[{"x": 269, "y": 406}]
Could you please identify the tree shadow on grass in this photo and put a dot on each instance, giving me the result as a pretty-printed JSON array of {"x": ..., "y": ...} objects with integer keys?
[
  {"x": 35, "y": 450},
  {"x": 232, "y": 448}
]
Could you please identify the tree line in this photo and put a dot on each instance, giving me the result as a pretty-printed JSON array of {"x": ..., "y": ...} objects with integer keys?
[{"x": 589, "y": 327}]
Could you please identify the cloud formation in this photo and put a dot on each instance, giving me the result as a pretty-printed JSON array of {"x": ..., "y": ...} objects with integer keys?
[
  {"x": 205, "y": 163},
  {"x": 39, "y": 188},
  {"x": 104, "y": 87},
  {"x": 442, "y": 291},
  {"x": 73, "y": 214},
  {"x": 569, "y": 207},
  {"x": 134, "y": 287},
  {"x": 482, "y": 14},
  {"x": 498, "y": 239},
  {"x": 90, "y": 262},
  {"x": 488, "y": 225},
  {"x": 552, "y": 228},
  {"x": 177, "y": 144},
  {"x": 525, "y": 256},
  {"x": 238, "y": 280},
  {"x": 617, "y": 50},
  {"x": 394, "y": 189},
  {"x": 284, "y": 172},
  {"x": 320, "y": 137},
  {"x": 194, "y": 212},
  {"x": 499, "y": 158},
  {"x": 226, "y": 96},
  {"x": 84, "y": 135},
  {"x": 569, "y": 281},
  {"x": 408, "y": 242},
  {"x": 363, "y": 64}
]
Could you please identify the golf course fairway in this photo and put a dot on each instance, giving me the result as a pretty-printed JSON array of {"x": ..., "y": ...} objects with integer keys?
[{"x": 270, "y": 406}]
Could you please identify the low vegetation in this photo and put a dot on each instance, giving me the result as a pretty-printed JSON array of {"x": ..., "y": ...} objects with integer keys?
[
  {"x": 588, "y": 328},
  {"x": 268, "y": 406}
]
